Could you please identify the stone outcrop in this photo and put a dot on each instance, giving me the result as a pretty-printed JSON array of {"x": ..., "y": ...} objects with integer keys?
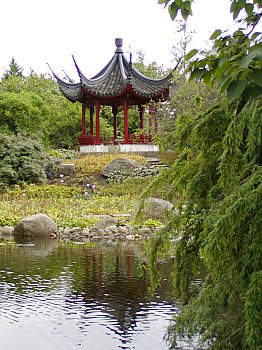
[
  {"x": 110, "y": 233},
  {"x": 156, "y": 209},
  {"x": 37, "y": 225},
  {"x": 66, "y": 169},
  {"x": 120, "y": 164},
  {"x": 107, "y": 228},
  {"x": 7, "y": 232},
  {"x": 104, "y": 223}
]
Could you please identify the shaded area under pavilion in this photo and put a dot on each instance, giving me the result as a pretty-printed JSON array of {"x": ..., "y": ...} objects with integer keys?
[{"x": 119, "y": 85}]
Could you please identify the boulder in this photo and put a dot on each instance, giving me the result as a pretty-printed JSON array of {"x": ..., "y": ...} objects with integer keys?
[
  {"x": 130, "y": 237},
  {"x": 157, "y": 209},
  {"x": 120, "y": 164},
  {"x": 66, "y": 169},
  {"x": 75, "y": 230},
  {"x": 86, "y": 231},
  {"x": 145, "y": 231},
  {"x": 103, "y": 223},
  {"x": 37, "y": 225},
  {"x": 7, "y": 232}
]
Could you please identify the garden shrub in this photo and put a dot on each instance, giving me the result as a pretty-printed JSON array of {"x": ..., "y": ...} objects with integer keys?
[{"x": 21, "y": 161}]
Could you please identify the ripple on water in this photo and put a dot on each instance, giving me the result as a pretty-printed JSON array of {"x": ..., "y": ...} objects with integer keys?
[{"x": 79, "y": 299}]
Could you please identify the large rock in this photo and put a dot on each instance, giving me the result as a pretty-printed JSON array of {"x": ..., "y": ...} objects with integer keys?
[
  {"x": 104, "y": 223},
  {"x": 157, "y": 209},
  {"x": 37, "y": 225},
  {"x": 66, "y": 169},
  {"x": 7, "y": 232},
  {"x": 120, "y": 164}
]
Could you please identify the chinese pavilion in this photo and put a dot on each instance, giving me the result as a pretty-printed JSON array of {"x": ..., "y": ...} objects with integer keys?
[{"x": 118, "y": 85}]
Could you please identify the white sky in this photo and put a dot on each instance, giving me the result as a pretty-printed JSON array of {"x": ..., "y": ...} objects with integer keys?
[{"x": 37, "y": 32}]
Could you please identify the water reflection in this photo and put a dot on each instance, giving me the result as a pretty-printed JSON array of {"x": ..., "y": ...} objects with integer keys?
[
  {"x": 36, "y": 246},
  {"x": 79, "y": 297}
]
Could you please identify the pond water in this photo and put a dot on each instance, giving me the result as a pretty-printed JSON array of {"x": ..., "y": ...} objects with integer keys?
[{"x": 55, "y": 296}]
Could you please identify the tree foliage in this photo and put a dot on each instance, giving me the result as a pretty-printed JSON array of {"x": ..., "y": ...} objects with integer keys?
[
  {"x": 186, "y": 99},
  {"x": 34, "y": 107},
  {"x": 235, "y": 64},
  {"x": 216, "y": 185},
  {"x": 14, "y": 70},
  {"x": 151, "y": 70}
]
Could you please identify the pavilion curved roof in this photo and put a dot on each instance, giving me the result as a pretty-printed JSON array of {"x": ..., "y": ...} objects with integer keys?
[{"x": 117, "y": 79}]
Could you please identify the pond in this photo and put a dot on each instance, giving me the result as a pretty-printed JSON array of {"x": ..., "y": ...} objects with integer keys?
[{"x": 66, "y": 296}]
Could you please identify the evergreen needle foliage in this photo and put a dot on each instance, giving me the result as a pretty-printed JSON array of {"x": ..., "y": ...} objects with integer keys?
[{"x": 216, "y": 185}]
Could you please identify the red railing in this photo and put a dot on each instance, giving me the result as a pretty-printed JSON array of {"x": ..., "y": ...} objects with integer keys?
[{"x": 133, "y": 139}]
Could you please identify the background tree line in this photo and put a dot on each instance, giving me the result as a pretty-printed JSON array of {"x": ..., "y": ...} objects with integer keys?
[{"x": 36, "y": 117}]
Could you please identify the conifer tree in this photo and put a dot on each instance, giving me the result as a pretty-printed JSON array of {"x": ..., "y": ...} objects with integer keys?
[
  {"x": 14, "y": 69},
  {"x": 216, "y": 186}
]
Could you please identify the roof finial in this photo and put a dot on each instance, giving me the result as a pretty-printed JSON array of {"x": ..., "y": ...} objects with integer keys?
[
  {"x": 119, "y": 43},
  {"x": 52, "y": 71},
  {"x": 77, "y": 68},
  {"x": 130, "y": 55}
]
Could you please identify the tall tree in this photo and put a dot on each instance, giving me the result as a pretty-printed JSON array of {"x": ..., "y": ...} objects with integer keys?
[
  {"x": 179, "y": 50},
  {"x": 216, "y": 185},
  {"x": 151, "y": 70},
  {"x": 14, "y": 69}
]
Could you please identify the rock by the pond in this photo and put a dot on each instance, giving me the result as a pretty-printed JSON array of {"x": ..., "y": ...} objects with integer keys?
[
  {"x": 120, "y": 164},
  {"x": 7, "y": 232},
  {"x": 75, "y": 230},
  {"x": 85, "y": 231},
  {"x": 145, "y": 231},
  {"x": 130, "y": 237},
  {"x": 104, "y": 222},
  {"x": 37, "y": 225},
  {"x": 157, "y": 209}
]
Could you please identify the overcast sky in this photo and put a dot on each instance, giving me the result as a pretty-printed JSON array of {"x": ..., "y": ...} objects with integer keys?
[{"x": 37, "y": 32}]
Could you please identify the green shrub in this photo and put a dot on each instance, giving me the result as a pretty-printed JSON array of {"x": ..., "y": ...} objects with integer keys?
[
  {"x": 137, "y": 173},
  {"x": 63, "y": 153},
  {"x": 21, "y": 161}
]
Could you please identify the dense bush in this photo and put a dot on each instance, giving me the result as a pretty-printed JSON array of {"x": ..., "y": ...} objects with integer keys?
[
  {"x": 21, "y": 160},
  {"x": 143, "y": 171}
]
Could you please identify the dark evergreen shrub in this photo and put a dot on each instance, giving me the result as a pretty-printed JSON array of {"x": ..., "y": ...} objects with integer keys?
[{"x": 21, "y": 160}]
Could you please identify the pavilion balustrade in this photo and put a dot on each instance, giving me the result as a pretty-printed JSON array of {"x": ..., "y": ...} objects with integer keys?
[{"x": 132, "y": 139}]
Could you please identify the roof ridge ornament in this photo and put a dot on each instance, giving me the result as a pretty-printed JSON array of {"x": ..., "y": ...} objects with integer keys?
[
  {"x": 77, "y": 69},
  {"x": 119, "y": 43},
  {"x": 130, "y": 66}
]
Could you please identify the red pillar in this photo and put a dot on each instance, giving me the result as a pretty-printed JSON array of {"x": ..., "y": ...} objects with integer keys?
[
  {"x": 97, "y": 123},
  {"x": 91, "y": 121},
  {"x": 83, "y": 120},
  {"x": 126, "y": 138},
  {"x": 156, "y": 121},
  {"x": 141, "y": 124},
  {"x": 114, "y": 110},
  {"x": 150, "y": 120}
]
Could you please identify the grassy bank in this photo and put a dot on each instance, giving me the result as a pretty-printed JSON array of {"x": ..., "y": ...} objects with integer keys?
[
  {"x": 67, "y": 205},
  {"x": 71, "y": 204}
]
